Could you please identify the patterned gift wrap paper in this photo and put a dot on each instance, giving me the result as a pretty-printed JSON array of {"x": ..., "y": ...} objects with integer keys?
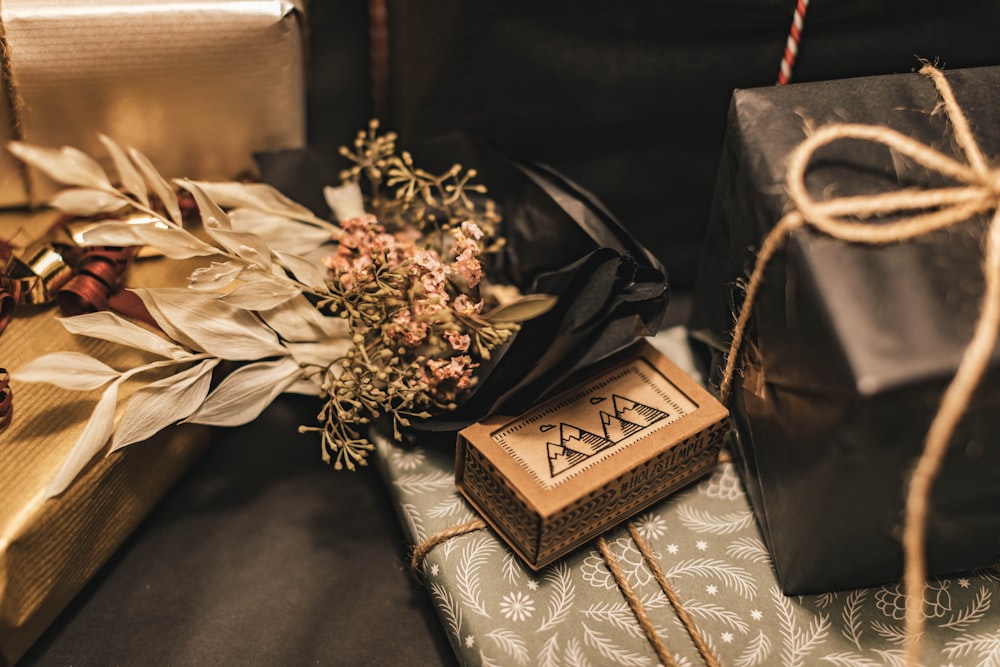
[
  {"x": 49, "y": 548},
  {"x": 199, "y": 86},
  {"x": 497, "y": 612}
]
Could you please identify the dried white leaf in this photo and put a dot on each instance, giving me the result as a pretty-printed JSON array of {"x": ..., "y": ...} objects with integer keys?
[
  {"x": 69, "y": 370},
  {"x": 163, "y": 321},
  {"x": 248, "y": 247},
  {"x": 525, "y": 308},
  {"x": 305, "y": 272},
  {"x": 157, "y": 185},
  {"x": 129, "y": 176},
  {"x": 346, "y": 201},
  {"x": 260, "y": 293},
  {"x": 210, "y": 325},
  {"x": 93, "y": 438},
  {"x": 173, "y": 242},
  {"x": 212, "y": 216},
  {"x": 216, "y": 276},
  {"x": 319, "y": 353},
  {"x": 162, "y": 403},
  {"x": 111, "y": 233},
  {"x": 298, "y": 320},
  {"x": 109, "y": 326},
  {"x": 280, "y": 233},
  {"x": 217, "y": 224},
  {"x": 246, "y": 392},
  {"x": 88, "y": 201},
  {"x": 65, "y": 165},
  {"x": 257, "y": 196}
]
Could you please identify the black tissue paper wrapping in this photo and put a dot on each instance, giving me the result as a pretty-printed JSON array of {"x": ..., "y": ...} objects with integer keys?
[
  {"x": 851, "y": 346},
  {"x": 560, "y": 241}
]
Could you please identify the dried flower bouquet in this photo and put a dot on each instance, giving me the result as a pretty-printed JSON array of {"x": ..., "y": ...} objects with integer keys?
[{"x": 387, "y": 314}]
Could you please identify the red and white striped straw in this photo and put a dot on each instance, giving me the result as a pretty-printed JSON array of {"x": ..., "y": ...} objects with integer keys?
[{"x": 792, "y": 45}]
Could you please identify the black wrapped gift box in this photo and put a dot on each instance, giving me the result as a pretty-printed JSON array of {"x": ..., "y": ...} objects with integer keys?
[{"x": 851, "y": 346}]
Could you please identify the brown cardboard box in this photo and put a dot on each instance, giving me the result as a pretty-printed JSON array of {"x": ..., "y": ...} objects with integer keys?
[
  {"x": 633, "y": 431},
  {"x": 198, "y": 86},
  {"x": 50, "y": 547}
]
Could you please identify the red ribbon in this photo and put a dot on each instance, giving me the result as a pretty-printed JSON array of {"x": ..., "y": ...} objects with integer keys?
[{"x": 99, "y": 271}]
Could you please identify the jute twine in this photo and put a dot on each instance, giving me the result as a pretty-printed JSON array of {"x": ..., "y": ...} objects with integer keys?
[
  {"x": 421, "y": 551},
  {"x": 847, "y": 219}
]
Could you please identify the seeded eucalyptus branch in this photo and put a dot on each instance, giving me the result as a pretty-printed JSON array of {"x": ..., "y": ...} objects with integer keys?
[{"x": 403, "y": 194}]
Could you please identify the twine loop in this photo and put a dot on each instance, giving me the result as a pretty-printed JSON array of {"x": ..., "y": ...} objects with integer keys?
[
  {"x": 851, "y": 219},
  {"x": 421, "y": 551}
]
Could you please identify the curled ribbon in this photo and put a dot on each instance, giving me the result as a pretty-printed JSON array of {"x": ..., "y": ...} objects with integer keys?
[
  {"x": 932, "y": 209},
  {"x": 99, "y": 271},
  {"x": 80, "y": 281}
]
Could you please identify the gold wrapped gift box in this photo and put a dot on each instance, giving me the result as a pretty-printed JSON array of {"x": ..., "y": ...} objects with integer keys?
[
  {"x": 50, "y": 547},
  {"x": 198, "y": 86}
]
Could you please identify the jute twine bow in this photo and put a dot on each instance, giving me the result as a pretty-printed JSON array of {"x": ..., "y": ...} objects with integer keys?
[
  {"x": 933, "y": 209},
  {"x": 422, "y": 550}
]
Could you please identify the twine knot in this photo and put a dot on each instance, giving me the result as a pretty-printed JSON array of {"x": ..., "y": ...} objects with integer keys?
[{"x": 918, "y": 212}]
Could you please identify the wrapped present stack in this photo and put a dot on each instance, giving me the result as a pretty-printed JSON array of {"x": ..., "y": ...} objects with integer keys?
[
  {"x": 497, "y": 611},
  {"x": 51, "y": 545},
  {"x": 198, "y": 87},
  {"x": 792, "y": 553}
]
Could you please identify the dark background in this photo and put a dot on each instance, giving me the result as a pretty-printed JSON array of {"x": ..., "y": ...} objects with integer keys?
[
  {"x": 263, "y": 555},
  {"x": 629, "y": 98}
]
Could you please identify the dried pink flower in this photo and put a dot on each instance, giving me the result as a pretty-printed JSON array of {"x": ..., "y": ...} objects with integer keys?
[
  {"x": 446, "y": 377},
  {"x": 465, "y": 306},
  {"x": 466, "y": 253},
  {"x": 412, "y": 332},
  {"x": 471, "y": 230},
  {"x": 469, "y": 268},
  {"x": 363, "y": 242},
  {"x": 459, "y": 341}
]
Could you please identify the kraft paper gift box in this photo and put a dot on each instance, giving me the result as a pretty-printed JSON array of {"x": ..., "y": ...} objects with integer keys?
[
  {"x": 197, "y": 86},
  {"x": 851, "y": 346},
  {"x": 497, "y": 611},
  {"x": 50, "y": 547}
]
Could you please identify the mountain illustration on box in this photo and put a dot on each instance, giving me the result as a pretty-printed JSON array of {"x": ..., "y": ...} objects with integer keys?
[{"x": 576, "y": 444}]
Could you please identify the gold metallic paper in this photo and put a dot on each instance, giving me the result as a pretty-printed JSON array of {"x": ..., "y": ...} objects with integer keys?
[
  {"x": 49, "y": 548},
  {"x": 197, "y": 85},
  {"x": 36, "y": 274}
]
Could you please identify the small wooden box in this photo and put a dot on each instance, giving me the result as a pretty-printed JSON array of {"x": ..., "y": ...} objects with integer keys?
[{"x": 633, "y": 431}]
